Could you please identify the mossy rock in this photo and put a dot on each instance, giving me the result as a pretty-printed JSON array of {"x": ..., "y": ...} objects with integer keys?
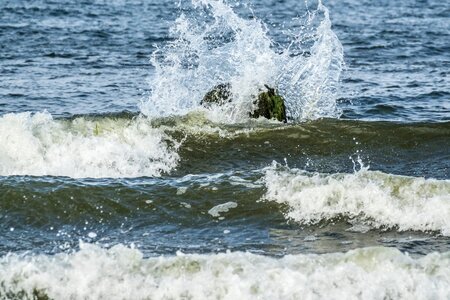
[{"x": 269, "y": 104}]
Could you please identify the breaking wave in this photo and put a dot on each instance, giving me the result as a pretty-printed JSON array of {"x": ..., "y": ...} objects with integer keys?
[
  {"x": 371, "y": 197},
  {"x": 123, "y": 273},
  {"x": 37, "y": 144}
]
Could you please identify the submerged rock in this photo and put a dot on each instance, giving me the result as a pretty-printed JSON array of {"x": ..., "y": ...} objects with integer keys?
[{"x": 269, "y": 104}]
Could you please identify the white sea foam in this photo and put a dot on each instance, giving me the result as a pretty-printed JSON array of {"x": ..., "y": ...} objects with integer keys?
[
  {"x": 123, "y": 273},
  {"x": 222, "y": 208},
  {"x": 36, "y": 144},
  {"x": 213, "y": 45},
  {"x": 374, "y": 198}
]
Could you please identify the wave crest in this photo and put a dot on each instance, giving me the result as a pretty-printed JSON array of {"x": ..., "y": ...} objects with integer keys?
[
  {"x": 123, "y": 273},
  {"x": 36, "y": 144},
  {"x": 375, "y": 198}
]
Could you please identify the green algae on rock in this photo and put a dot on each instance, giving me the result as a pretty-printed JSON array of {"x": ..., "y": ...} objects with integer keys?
[{"x": 269, "y": 104}]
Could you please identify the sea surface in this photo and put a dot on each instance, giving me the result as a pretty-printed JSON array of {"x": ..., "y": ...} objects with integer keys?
[{"x": 116, "y": 183}]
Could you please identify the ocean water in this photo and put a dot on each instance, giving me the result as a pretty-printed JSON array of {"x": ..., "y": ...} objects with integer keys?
[{"x": 115, "y": 183}]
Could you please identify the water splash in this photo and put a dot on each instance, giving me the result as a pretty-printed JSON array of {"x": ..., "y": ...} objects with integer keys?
[
  {"x": 310, "y": 82},
  {"x": 213, "y": 44}
]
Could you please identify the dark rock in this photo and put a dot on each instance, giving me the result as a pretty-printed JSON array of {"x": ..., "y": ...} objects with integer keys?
[
  {"x": 269, "y": 104},
  {"x": 219, "y": 95}
]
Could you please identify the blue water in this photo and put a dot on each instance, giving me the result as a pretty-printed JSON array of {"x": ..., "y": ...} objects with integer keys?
[
  {"x": 93, "y": 57},
  {"x": 98, "y": 191}
]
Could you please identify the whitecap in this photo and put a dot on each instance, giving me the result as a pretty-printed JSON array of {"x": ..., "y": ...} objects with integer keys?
[
  {"x": 377, "y": 199},
  {"x": 37, "y": 144},
  {"x": 123, "y": 273}
]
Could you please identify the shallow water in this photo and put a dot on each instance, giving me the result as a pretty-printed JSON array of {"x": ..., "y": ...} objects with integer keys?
[{"x": 115, "y": 183}]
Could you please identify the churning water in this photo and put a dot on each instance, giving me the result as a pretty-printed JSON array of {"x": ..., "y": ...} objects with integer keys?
[{"x": 116, "y": 183}]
